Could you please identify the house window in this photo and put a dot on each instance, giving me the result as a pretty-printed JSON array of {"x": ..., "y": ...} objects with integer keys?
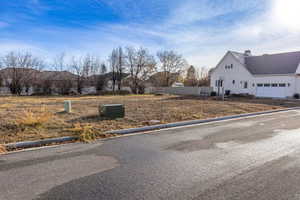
[
  {"x": 245, "y": 85},
  {"x": 289, "y": 84},
  {"x": 253, "y": 85},
  {"x": 259, "y": 84},
  {"x": 233, "y": 82},
  {"x": 219, "y": 83},
  {"x": 282, "y": 84},
  {"x": 229, "y": 66},
  {"x": 274, "y": 85},
  {"x": 267, "y": 85}
]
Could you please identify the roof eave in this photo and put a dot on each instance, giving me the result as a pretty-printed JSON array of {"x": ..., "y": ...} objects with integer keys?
[{"x": 289, "y": 74}]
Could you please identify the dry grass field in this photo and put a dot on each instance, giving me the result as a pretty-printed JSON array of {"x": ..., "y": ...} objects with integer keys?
[{"x": 32, "y": 118}]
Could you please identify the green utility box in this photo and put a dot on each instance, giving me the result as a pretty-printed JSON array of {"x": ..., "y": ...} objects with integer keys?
[{"x": 112, "y": 111}]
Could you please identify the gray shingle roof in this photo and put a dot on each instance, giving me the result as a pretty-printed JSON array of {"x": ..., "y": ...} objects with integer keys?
[{"x": 283, "y": 63}]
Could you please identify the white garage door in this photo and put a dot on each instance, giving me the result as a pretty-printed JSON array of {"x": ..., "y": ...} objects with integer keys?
[{"x": 271, "y": 90}]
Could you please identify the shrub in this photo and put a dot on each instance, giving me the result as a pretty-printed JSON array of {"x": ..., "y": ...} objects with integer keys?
[
  {"x": 296, "y": 96},
  {"x": 141, "y": 89},
  {"x": 2, "y": 149},
  {"x": 40, "y": 94},
  {"x": 227, "y": 92},
  {"x": 64, "y": 87},
  {"x": 213, "y": 94},
  {"x": 85, "y": 133},
  {"x": 236, "y": 95},
  {"x": 121, "y": 92},
  {"x": 34, "y": 119},
  {"x": 242, "y": 95},
  {"x": 100, "y": 84}
]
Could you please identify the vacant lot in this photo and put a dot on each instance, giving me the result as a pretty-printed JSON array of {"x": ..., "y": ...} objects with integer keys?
[{"x": 31, "y": 118}]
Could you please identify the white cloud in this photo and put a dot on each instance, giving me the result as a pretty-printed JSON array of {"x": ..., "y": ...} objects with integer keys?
[
  {"x": 272, "y": 27},
  {"x": 287, "y": 14},
  {"x": 274, "y": 30},
  {"x": 190, "y": 11},
  {"x": 7, "y": 46}
]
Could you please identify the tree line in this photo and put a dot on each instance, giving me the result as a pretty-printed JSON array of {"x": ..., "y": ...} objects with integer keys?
[{"x": 135, "y": 67}]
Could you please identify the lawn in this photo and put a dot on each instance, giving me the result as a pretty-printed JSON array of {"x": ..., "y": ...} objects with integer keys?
[{"x": 32, "y": 118}]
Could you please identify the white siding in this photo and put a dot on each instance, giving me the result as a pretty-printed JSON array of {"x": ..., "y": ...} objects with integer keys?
[
  {"x": 297, "y": 84},
  {"x": 289, "y": 80},
  {"x": 239, "y": 74}
]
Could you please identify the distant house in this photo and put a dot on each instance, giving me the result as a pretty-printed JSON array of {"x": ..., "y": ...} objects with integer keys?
[
  {"x": 35, "y": 82},
  {"x": 55, "y": 82},
  {"x": 10, "y": 78},
  {"x": 57, "y": 76},
  {"x": 177, "y": 84},
  {"x": 7, "y": 74},
  {"x": 269, "y": 75},
  {"x": 109, "y": 77},
  {"x": 164, "y": 79}
]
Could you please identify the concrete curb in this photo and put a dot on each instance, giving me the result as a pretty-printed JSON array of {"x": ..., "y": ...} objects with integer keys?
[
  {"x": 194, "y": 122},
  {"x": 38, "y": 143}
]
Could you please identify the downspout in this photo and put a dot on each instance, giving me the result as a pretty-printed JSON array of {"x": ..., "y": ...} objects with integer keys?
[
  {"x": 295, "y": 87},
  {"x": 296, "y": 75}
]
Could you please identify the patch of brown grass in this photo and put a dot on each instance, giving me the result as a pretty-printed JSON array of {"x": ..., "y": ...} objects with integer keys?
[
  {"x": 2, "y": 149},
  {"x": 34, "y": 119},
  {"x": 85, "y": 132},
  {"x": 5, "y": 106},
  {"x": 22, "y": 118}
]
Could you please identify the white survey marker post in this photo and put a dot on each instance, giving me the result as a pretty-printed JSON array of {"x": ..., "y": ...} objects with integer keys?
[{"x": 68, "y": 106}]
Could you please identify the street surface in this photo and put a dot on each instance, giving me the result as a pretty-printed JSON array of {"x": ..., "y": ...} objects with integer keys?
[{"x": 253, "y": 158}]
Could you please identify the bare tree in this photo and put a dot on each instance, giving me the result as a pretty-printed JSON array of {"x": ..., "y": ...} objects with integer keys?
[
  {"x": 204, "y": 76},
  {"x": 100, "y": 80},
  {"x": 61, "y": 78},
  {"x": 97, "y": 79},
  {"x": 1, "y": 80},
  {"x": 120, "y": 67},
  {"x": 141, "y": 65},
  {"x": 113, "y": 60},
  {"x": 59, "y": 62},
  {"x": 84, "y": 67},
  {"x": 171, "y": 64},
  {"x": 191, "y": 77},
  {"x": 78, "y": 67},
  {"x": 103, "y": 68},
  {"x": 117, "y": 66},
  {"x": 21, "y": 71}
]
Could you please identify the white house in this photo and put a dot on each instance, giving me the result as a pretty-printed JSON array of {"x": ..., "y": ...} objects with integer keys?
[{"x": 269, "y": 75}]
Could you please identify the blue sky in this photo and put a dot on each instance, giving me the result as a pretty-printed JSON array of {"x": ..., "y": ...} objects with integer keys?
[{"x": 201, "y": 30}]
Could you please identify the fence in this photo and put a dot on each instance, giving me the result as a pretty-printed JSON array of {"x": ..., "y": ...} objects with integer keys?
[
  {"x": 85, "y": 90},
  {"x": 193, "y": 91}
]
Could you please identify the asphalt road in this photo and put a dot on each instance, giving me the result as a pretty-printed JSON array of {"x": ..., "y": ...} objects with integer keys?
[{"x": 254, "y": 158}]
